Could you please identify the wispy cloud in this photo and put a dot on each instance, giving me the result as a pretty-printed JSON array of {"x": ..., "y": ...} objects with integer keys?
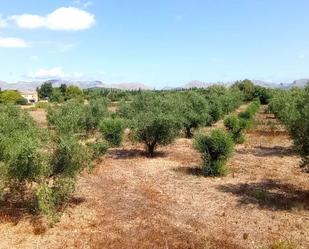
[
  {"x": 13, "y": 42},
  {"x": 3, "y": 23},
  {"x": 64, "y": 18},
  {"x": 53, "y": 73},
  {"x": 82, "y": 3},
  {"x": 56, "y": 72}
]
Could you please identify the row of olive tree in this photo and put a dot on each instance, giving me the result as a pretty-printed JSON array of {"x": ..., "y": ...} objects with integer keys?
[
  {"x": 158, "y": 118},
  {"x": 217, "y": 147},
  {"x": 37, "y": 167},
  {"x": 237, "y": 125},
  {"x": 40, "y": 166},
  {"x": 292, "y": 108}
]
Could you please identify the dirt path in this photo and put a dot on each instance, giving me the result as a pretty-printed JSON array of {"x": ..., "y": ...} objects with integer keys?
[{"x": 131, "y": 201}]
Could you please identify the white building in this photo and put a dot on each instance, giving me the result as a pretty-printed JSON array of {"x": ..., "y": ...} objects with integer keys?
[{"x": 30, "y": 96}]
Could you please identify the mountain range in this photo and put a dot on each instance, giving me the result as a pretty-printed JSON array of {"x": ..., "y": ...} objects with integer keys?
[{"x": 32, "y": 85}]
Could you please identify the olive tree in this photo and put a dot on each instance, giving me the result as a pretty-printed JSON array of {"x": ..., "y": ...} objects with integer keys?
[
  {"x": 194, "y": 111},
  {"x": 153, "y": 120},
  {"x": 215, "y": 150}
]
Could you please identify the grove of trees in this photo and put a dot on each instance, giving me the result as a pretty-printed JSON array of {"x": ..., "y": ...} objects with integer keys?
[
  {"x": 40, "y": 166},
  {"x": 292, "y": 109}
]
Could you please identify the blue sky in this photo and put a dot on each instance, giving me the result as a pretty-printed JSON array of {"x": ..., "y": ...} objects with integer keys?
[{"x": 159, "y": 43}]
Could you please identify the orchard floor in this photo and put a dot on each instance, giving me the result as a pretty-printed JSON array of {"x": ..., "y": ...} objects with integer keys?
[{"x": 131, "y": 201}]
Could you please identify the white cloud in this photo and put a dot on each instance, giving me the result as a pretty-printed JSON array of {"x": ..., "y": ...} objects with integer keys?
[
  {"x": 64, "y": 18},
  {"x": 12, "y": 42},
  {"x": 28, "y": 21},
  {"x": 56, "y": 72}
]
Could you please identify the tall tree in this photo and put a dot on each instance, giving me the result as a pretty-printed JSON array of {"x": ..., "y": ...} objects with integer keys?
[{"x": 45, "y": 90}]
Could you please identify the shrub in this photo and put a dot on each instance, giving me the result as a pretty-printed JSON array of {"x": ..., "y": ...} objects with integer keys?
[
  {"x": 248, "y": 115},
  {"x": 20, "y": 146},
  {"x": 22, "y": 101},
  {"x": 71, "y": 117},
  {"x": 236, "y": 127},
  {"x": 9, "y": 96},
  {"x": 153, "y": 120},
  {"x": 74, "y": 92},
  {"x": 42, "y": 105},
  {"x": 98, "y": 149},
  {"x": 34, "y": 165},
  {"x": 299, "y": 128},
  {"x": 96, "y": 111},
  {"x": 69, "y": 157},
  {"x": 112, "y": 130},
  {"x": 193, "y": 109},
  {"x": 215, "y": 148}
]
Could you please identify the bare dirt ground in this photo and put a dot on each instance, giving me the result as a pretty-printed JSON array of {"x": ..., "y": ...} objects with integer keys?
[
  {"x": 131, "y": 201},
  {"x": 39, "y": 115}
]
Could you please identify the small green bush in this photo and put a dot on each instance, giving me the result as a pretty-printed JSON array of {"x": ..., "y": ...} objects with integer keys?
[
  {"x": 248, "y": 115},
  {"x": 215, "y": 149},
  {"x": 68, "y": 118},
  {"x": 112, "y": 130},
  {"x": 98, "y": 149},
  {"x": 42, "y": 105},
  {"x": 236, "y": 127},
  {"x": 69, "y": 157}
]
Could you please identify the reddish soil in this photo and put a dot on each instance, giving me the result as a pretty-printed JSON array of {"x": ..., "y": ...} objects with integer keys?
[{"x": 131, "y": 201}]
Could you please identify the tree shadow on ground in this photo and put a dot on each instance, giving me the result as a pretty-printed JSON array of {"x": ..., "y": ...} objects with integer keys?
[
  {"x": 15, "y": 211},
  {"x": 133, "y": 153},
  {"x": 263, "y": 151},
  {"x": 194, "y": 171},
  {"x": 269, "y": 194}
]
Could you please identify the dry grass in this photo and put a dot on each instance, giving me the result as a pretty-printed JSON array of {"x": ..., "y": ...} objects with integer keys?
[
  {"x": 39, "y": 115},
  {"x": 131, "y": 201}
]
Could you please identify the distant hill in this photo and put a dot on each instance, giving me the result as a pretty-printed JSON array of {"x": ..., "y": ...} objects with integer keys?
[
  {"x": 299, "y": 83},
  {"x": 32, "y": 85},
  {"x": 22, "y": 85}
]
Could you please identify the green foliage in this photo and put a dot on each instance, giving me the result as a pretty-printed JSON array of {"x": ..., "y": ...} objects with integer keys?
[
  {"x": 236, "y": 127},
  {"x": 194, "y": 111},
  {"x": 153, "y": 120},
  {"x": 292, "y": 108},
  {"x": 37, "y": 167},
  {"x": 20, "y": 151},
  {"x": 248, "y": 115},
  {"x": 42, "y": 105},
  {"x": 10, "y": 97},
  {"x": 112, "y": 130},
  {"x": 215, "y": 149},
  {"x": 74, "y": 92},
  {"x": 57, "y": 96},
  {"x": 264, "y": 94},
  {"x": 222, "y": 101},
  {"x": 98, "y": 149},
  {"x": 247, "y": 87},
  {"x": 21, "y": 101},
  {"x": 45, "y": 91},
  {"x": 71, "y": 117},
  {"x": 97, "y": 110},
  {"x": 69, "y": 157}
]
